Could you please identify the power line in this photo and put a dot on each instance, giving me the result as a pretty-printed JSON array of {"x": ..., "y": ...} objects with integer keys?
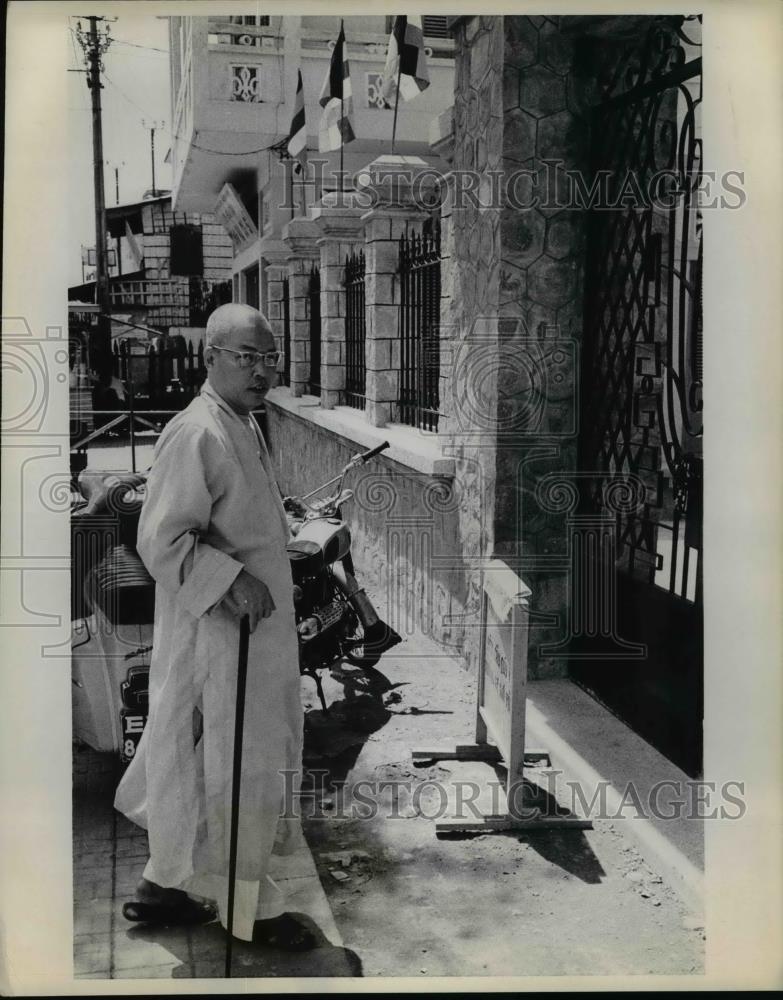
[
  {"x": 174, "y": 135},
  {"x": 149, "y": 48},
  {"x": 134, "y": 45},
  {"x": 122, "y": 93},
  {"x": 73, "y": 46}
]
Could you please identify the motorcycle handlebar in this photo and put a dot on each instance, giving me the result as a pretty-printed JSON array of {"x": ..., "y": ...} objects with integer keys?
[
  {"x": 361, "y": 457},
  {"x": 367, "y": 455}
]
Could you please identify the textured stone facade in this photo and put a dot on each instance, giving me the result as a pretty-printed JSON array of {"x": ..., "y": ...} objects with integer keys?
[
  {"x": 469, "y": 307},
  {"x": 541, "y": 304},
  {"x": 515, "y": 300}
]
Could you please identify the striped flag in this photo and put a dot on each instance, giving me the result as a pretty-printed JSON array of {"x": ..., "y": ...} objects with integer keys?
[
  {"x": 297, "y": 135},
  {"x": 405, "y": 60},
  {"x": 337, "y": 100}
]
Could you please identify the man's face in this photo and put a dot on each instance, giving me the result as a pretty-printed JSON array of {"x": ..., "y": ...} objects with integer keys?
[{"x": 244, "y": 389}]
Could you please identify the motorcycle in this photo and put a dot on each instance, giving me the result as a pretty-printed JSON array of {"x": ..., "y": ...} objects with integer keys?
[
  {"x": 335, "y": 619},
  {"x": 113, "y": 602},
  {"x": 112, "y": 614}
]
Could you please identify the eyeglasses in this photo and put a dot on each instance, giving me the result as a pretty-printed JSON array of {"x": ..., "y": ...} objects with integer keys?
[{"x": 249, "y": 359}]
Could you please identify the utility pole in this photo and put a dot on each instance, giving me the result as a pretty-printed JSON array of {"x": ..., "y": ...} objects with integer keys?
[
  {"x": 94, "y": 45},
  {"x": 152, "y": 126}
]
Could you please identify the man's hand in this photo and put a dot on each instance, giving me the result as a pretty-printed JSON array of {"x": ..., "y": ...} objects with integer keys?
[
  {"x": 249, "y": 596},
  {"x": 294, "y": 507}
]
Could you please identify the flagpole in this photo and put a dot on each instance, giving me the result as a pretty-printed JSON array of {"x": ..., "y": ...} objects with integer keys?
[
  {"x": 342, "y": 143},
  {"x": 396, "y": 100},
  {"x": 342, "y": 89}
]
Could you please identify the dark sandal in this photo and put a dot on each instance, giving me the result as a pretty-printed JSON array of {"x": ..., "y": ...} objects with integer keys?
[
  {"x": 284, "y": 932},
  {"x": 186, "y": 912}
]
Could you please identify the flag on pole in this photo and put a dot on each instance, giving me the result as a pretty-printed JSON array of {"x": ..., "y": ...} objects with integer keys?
[
  {"x": 337, "y": 100},
  {"x": 405, "y": 60},
  {"x": 297, "y": 135}
]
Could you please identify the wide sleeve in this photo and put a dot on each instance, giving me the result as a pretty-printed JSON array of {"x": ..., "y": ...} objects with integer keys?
[{"x": 175, "y": 518}]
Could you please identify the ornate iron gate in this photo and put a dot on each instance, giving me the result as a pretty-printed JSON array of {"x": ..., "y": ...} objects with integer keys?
[
  {"x": 314, "y": 304},
  {"x": 420, "y": 327},
  {"x": 355, "y": 331},
  {"x": 642, "y": 381}
]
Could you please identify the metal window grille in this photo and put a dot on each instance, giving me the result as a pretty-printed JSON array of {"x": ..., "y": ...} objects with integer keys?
[
  {"x": 355, "y": 331},
  {"x": 314, "y": 301},
  {"x": 420, "y": 327},
  {"x": 432, "y": 25},
  {"x": 286, "y": 376},
  {"x": 435, "y": 26}
]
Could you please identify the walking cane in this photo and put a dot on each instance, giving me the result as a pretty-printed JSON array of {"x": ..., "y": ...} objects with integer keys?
[{"x": 239, "y": 723}]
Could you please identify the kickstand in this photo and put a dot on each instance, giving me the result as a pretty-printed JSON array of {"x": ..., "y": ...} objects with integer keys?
[{"x": 319, "y": 688}]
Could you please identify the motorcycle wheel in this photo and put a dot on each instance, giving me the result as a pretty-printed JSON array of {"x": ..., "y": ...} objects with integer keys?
[{"x": 352, "y": 644}]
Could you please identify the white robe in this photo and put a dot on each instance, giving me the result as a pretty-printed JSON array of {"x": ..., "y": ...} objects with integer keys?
[{"x": 213, "y": 508}]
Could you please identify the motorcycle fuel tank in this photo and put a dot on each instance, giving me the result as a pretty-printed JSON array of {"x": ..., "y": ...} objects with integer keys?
[{"x": 331, "y": 536}]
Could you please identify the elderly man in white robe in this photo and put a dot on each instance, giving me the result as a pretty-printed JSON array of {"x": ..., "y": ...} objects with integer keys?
[{"x": 213, "y": 534}]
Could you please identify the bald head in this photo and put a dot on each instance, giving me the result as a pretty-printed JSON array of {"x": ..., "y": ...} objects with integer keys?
[
  {"x": 236, "y": 320},
  {"x": 235, "y": 329}
]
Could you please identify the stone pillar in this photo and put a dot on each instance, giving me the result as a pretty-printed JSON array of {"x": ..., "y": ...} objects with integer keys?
[
  {"x": 300, "y": 236},
  {"x": 275, "y": 254},
  {"x": 340, "y": 228},
  {"x": 442, "y": 144},
  {"x": 400, "y": 186}
]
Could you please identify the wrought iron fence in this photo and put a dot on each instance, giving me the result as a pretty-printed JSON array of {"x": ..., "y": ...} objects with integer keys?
[
  {"x": 160, "y": 376},
  {"x": 314, "y": 302},
  {"x": 205, "y": 297},
  {"x": 355, "y": 330},
  {"x": 285, "y": 378},
  {"x": 420, "y": 327}
]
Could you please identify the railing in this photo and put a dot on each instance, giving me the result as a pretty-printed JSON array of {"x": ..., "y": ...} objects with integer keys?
[
  {"x": 420, "y": 328},
  {"x": 314, "y": 304},
  {"x": 113, "y": 426},
  {"x": 355, "y": 331},
  {"x": 150, "y": 292}
]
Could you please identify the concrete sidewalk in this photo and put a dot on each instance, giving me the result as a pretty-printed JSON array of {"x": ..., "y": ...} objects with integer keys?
[{"x": 385, "y": 895}]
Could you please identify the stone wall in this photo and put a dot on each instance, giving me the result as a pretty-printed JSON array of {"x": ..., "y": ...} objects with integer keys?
[
  {"x": 471, "y": 237},
  {"x": 541, "y": 303},
  {"x": 405, "y": 526},
  {"x": 517, "y": 297}
]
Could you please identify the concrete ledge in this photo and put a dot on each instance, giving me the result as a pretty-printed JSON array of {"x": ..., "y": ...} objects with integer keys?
[
  {"x": 576, "y": 729},
  {"x": 414, "y": 449}
]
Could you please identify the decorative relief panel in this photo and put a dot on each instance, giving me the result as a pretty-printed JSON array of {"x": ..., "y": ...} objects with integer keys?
[
  {"x": 375, "y": 97},
  {"x": 245, "y": 84}
]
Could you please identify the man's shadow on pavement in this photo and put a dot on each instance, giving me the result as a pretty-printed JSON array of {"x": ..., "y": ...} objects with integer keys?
[{"x": 201, "y": 952}]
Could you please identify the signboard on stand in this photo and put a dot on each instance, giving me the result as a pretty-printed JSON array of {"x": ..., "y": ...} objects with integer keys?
[
  {"x": 500, "y": 705},
  {"x": 502, "y": 680}
]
